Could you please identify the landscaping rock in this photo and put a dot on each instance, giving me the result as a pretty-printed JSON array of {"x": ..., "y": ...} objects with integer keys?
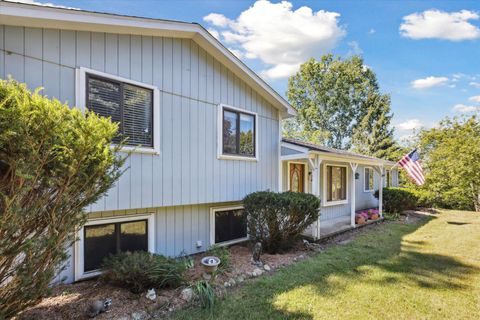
[
  {"x": 151, "y": 295},
  {"x": 257, "y": 272},
  {"x": 232, "y": 282},
  {"x": 226, "y": 284},
  {"x": 140, "y": 315},
  {"x": 206, "y": 276},
  {"x": 267, "y": 267},
  {"x": 240, "y": 279},
  {"x": 256, "y": 253},
  {"x": 186, "y": 294}
]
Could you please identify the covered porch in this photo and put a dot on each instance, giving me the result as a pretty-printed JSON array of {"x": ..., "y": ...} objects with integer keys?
[{"x": 345, "y": 182}]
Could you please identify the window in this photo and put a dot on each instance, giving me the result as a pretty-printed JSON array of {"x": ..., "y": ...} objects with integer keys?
[
  {"x": 237, "y": 134},
  {"x": 388, "y": 178},
  {"x": 131, "y": 104},
  {"x": 336, "y": 184},
  {"x": 228, "y": 225},
  {"x": 128, "y": 105},
  {"x": 368, "y": 182},
  {"x": 103, "y": 240},
  {"x": 102, "y": 237},
  {"x": 296, "y": 177}
]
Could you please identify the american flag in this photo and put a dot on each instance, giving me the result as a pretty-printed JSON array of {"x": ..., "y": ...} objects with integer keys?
[{"x": 411, "y": 163}]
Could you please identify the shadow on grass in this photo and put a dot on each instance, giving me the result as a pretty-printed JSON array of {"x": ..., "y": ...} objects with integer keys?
[{"x": 381, "y": 248}]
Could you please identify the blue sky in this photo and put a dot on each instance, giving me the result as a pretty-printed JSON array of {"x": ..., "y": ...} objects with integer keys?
[{"x": 439, "y": 44}]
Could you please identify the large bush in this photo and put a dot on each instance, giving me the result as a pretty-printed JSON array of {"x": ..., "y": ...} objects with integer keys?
[
  {"x": 277, "y": 219},
  {"x": 54, "y": 161},
  {"x": 397, "y": 200},
  {"x": 139, "y": 271}
]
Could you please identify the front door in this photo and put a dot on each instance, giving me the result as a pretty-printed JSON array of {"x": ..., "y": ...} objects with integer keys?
[{"x": 297, "y": 177}]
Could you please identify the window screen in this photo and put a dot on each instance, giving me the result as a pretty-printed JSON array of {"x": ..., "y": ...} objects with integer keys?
[
  {"x": 106, "y": 239},
  {"x": 336, "y": 183},
  {"x": 230, "y": 225},
  {"x": 130, "y": 106}
]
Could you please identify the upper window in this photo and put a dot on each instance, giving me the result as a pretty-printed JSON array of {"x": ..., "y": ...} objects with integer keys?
[
  {"x": 228, "y": 225},
  {"x": 105, "y": 239},
  {"x": 336, "y": 187},
  {"x": 368, "y": 182},
  {"x": 238, "y": 136},
  {"x": 129, "y": 105}
]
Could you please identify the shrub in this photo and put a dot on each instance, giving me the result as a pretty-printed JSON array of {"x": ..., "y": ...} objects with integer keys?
[
  {"x": 139, "y": 271},
  {"x": 277, "y": 219},
  {"x": 54, "y": 161},
  {"x": 223, "y": 254},
  {"x": 425, "y": 198},
  {"x": 397, "y": 200}
]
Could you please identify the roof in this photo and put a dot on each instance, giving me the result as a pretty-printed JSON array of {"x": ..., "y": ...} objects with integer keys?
[
  {"x": 40, "y": 16},
  {"x": 323, "y": 149}
]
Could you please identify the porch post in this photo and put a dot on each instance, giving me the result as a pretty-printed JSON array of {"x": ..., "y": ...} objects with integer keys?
[
  {"x": 380, "y": 193},
  {"x": 315, "y": 165},
  {"x": 353, "y": 196}
]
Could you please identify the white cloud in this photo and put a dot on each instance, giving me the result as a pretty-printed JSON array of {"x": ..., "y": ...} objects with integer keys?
[
  {"x": 218, "y": 20},
  {"x": 475, "y": 84},
  {"x": 45, "y": 4},
  {"x": 436, "y": 24},
  {"x": 411, "y": 124},
  {"x": 461, "y": 108},
  {"x": 239, "y": 54},
  {"x": 280, "y": 36},
  {"x": 475, "y": 99},
  {"x": 372, "y": 31},
  {"x": 429, "y": 82},
  {"x": 354, "y": 48},
  {"x": 214, "y": 33}
]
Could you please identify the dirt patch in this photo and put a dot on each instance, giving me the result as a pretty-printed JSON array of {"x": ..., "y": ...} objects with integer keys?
[{"x": 72, "y": 301}]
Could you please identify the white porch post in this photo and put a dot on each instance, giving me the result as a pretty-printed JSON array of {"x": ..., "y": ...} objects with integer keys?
[
  {"x": 353, "y": 197},
  {"x": 380, "y": 193},
  {"x": 315, "y": 166}
]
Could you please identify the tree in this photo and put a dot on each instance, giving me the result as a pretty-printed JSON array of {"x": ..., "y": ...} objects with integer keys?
[
  {"x": 338, "y": 103},
  {"x": 373, "y": 135},
  {"x": 451, "y": 155},
  {"x": 54, "y": 162}
]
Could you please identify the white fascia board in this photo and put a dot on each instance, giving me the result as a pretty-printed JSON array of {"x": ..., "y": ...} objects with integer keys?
[
  {"x": 346, "y": 158},
  {"x": 28, "y": 15}
]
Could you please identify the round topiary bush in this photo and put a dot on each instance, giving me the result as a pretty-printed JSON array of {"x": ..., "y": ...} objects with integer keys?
[{"x": 277, "y": 219}]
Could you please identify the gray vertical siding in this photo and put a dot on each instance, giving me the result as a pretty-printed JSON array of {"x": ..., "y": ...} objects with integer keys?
[
  {"x": 365, "y": 200},
  {"x": 191, "y": 82}
]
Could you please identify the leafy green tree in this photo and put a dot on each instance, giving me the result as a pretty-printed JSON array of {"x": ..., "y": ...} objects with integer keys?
[
  {"x": 54, "y": 162},
  {"x": 340, "y": 105},
  {"x": 373, "y": 135},
  {"x": 451, "y": 155}
]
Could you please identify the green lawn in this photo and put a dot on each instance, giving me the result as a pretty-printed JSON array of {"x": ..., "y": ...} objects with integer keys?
[{"x": 422, "y": 270}]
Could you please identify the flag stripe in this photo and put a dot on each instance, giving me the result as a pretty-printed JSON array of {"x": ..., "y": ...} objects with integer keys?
[{"x": 412, "y": 166}]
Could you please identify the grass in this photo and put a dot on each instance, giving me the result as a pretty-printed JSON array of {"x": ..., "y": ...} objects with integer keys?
[{"x": 428, "y": 269}]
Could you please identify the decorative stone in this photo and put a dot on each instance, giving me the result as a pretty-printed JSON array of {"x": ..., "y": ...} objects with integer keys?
[
  {"x": 226, "y": 284},
  {"x": 206, "y": 276},
  {"x": 139, "y": 315},
  {"x": 240, "y": 279},
  {"x": 186, "y": 294},
  {"x": 232, "y": 282},
  {"x": 151, "y": 295},
  {"x": 267, "y": 267},
  {"x": 301, "y": 256},
  {"x": 256, "y": 253},
  {"x": 257, "y": 272}
]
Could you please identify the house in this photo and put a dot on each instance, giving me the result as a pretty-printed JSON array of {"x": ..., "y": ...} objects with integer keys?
[
  {"x": 203, "y": 129},
  {"x": 344, "y": 181},
  {"x": 183, "y": 100}
]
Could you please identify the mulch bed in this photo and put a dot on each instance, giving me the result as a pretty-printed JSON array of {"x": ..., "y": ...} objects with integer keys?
[{"x": 71, "y": 301}]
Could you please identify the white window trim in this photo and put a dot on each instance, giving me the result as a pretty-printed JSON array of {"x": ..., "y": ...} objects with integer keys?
[
  {"x": 79, "y": 244},
  {"x": 326, "y": 203},
  {"x": 80, "y": 102},
  {"x": 212, "y": 226},
  {"x": 220, "y": 154},
  {"x": 365, "y": 178},
  {"x": 305, "y": 178}
]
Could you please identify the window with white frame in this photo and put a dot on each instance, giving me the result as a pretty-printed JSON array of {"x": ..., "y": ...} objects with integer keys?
[
  {"x": 388, "y": 178},
  {"x": 335, "y": 184},
  {"x": 237, "y": 133},
  {"x": 131, "y": 104},
  {"x": 228, "y": 225},
  {"x": 103, "y": 237},
  {"x": 368, "y": 181}
]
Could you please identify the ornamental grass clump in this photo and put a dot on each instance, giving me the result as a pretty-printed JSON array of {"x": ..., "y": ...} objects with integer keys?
[
  {"x": 139, "y": 271},
  {"x": 54, "y": 162},
  {"x": 277, "y": 219}
]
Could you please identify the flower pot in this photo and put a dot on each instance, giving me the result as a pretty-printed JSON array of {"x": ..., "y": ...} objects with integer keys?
[
  {"x": 375, "y": 216},
  {"x": 359, "y": 220}
]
